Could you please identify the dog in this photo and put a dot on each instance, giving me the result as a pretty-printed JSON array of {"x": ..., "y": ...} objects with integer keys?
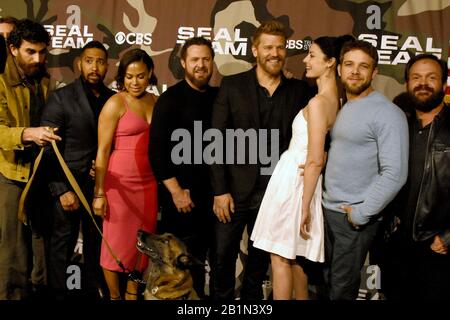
[{"x": 168, "y": 276}]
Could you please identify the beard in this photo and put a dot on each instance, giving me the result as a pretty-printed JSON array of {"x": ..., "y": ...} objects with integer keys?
[
  {"x": 199, "y": 82},
  {"x": 32, "y": 70},
  {"x": 427, "y": 104},
  {"x": 266, "y": 65},
  {"x": 356, "y": 90}
]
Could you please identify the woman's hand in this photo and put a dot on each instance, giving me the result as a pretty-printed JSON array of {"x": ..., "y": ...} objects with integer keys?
[
  {"x": 99, "y": 205},
  {"x": 305, "y": 224}
]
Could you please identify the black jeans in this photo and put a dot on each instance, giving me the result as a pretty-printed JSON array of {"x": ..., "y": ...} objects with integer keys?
[
  {"x": 227, "y": 240},
  {"x": 412, "y": 271},
  {"x": 346, "y": 251},
  {"x": 21, "y": 248},
  {"x": 60, "y": 243},
  {"x": 193, "y": 228}
]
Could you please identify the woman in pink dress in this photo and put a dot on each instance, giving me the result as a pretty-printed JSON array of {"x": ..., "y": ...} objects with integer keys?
[{"x": 125, "y": 189}]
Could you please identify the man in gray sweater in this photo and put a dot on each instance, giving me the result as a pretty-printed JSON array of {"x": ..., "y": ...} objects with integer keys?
[{"x": 367, "y": 166}]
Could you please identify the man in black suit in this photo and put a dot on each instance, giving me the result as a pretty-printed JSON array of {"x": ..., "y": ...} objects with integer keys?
[
  {"x": 261, "y": 98},
  {"x": 74, "y": 110}
]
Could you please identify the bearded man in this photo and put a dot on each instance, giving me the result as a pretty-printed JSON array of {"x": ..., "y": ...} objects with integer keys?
[
  {"x": 264, "y": 101},
  {"x": 74, "y": 110},
  {"x": 367, "y": 166},
  {"x": 418, "y": 263},
  {"x": 185, "y": 194},
  {"x": 24, "y": 87}
]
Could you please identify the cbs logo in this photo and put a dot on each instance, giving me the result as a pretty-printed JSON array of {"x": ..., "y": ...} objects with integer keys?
[{"x": 133, "y": 38}]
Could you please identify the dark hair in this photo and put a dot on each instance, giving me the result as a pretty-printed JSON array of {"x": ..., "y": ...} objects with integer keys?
[
  {"x": 331, "y": 46},
  {"x": 196, "y": 41},
  {"x": 362, "y": 45},
  {"x": 9, "y": 20},
  {"x": 271, "y": 27},
  {"x": 428, "y": 56},
  {"x": 134, "y": 55},
  {"x": 94, "y": 44},
  {"x": 30, "y": 31}
]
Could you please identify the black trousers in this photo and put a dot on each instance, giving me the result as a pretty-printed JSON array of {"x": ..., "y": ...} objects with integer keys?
[
  {"x": 194, "y": 228},
  {"x": 227, "y": 240},
  {"x": 21, "y": 247},
  {"x": 346, "y": 250},
  {"x": 60, "y": 243},
  {"x": 412, "y": 271}
]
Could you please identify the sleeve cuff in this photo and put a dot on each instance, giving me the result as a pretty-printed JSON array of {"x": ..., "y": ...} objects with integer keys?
[
  {"x": 445, "y": 236},
  {"x": 16, "y": 138},
  {"x": 358, "y": 218},
  {"x": 58, "y": 188}
]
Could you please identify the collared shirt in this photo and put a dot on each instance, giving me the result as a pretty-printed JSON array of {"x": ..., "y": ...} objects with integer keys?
[
  {"x": 270, "y": 114},
  {"x": 95, "y": 102},
  {"x": 270, "y": 105}
]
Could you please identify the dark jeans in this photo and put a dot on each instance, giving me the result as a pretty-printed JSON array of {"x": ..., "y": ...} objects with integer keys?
[
  {"x": 21, "y": 250},
  {"x": 60, "y": 244},
  {"x": 412, "y": 271},
  {"x": 227, "y": 240},
  {"x": 346, "y": 250},
  {"x": 193, "y": 228}
]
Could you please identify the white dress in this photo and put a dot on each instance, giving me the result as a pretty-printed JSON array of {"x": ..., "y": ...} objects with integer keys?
[{"x": 277, "y": 226}]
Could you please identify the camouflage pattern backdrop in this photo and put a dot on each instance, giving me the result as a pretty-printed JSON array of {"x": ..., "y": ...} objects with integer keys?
[{"x": 398, "y": 28}]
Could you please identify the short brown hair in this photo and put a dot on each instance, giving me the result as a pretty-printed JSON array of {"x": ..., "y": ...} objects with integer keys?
[
  {"x": 271, "y": 27},
  {"x": 196, "y": 41},
  {"x": 362, "y": 45}
]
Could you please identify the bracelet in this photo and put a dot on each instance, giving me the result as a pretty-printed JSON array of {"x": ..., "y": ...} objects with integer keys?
[{"x": 98, "y": 196}]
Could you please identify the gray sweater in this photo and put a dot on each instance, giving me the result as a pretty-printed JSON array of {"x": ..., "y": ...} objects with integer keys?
[{"x": 368, "y": 158}]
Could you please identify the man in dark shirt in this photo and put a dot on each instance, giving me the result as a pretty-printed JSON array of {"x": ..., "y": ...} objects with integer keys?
[
  {"x": 185, "y": 195},
  {"x": 417, "y": 262},
  {"x": 258, "y": 100},
  {"x": 74, "y": 110}
]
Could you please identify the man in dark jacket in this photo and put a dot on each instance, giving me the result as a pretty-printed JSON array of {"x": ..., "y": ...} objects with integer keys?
[
  {"x": 258, "y": 100},
  {"x": 74, "y": 110},
  {"x": 417, "y": 263}
]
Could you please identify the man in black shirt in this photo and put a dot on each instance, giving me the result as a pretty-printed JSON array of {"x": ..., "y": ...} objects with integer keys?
[
  {"x": 185, "y": 194},
  {"x": 417, "y": 262},
  {"x": 74, "y": 110},
  {"x": 258, "y": 100}
]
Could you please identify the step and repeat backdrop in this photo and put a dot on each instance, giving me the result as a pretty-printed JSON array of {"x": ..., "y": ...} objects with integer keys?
[{"x": 398, "y": 28}]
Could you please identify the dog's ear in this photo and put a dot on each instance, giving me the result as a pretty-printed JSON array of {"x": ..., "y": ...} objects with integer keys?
[{"x": 186, "y": 261}]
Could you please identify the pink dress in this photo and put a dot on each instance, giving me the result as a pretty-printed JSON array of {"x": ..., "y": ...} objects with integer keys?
[{"x": 131, "y": 191}]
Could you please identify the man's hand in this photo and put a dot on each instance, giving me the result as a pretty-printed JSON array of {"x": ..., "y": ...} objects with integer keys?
[
  {"x": 69, "y": 201},
  {"x": 222, "y": 207},
  {"x": 182, "y": 200},
  {"x": 348, "y": 210},
  {"x": 92, "y": 170},
  {"x": 439, "y": 246},
  {"x": 40, "y": 135}
]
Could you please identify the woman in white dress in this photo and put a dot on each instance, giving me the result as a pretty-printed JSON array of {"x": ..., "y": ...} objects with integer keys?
[{"x": 290, "y": 222}]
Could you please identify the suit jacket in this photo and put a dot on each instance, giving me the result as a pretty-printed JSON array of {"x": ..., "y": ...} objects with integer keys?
[
  {"x": 69, "y": 110},
  {"x": 236, "y": 107}
]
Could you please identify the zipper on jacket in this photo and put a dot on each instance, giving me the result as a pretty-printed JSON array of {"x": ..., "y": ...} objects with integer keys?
[{"x": 426, "y": 167}]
